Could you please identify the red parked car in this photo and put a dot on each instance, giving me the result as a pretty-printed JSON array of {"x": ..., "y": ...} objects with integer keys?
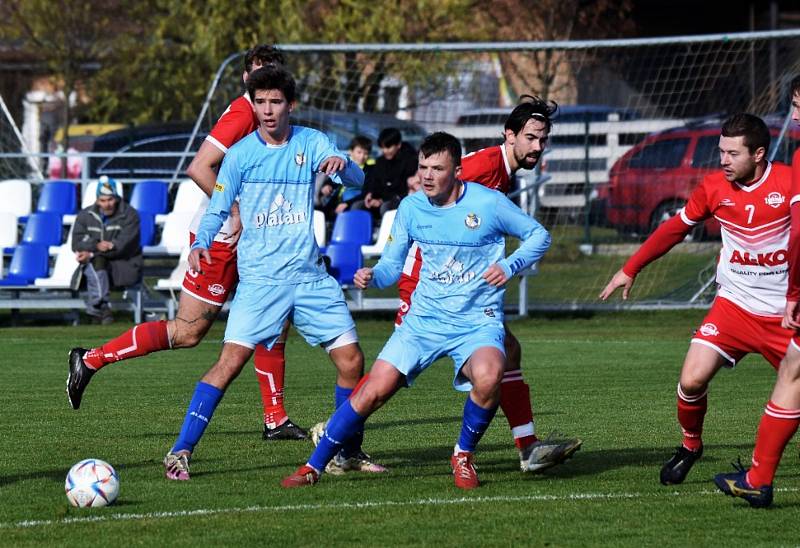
[{"x": 653, "y": 180}]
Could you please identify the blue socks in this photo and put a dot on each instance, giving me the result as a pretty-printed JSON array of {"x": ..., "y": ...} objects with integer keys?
[
  {"x": 476, "y": 421},
  {"x": 342, "y": 426},
  {"x": 353, "y": 445},
  {"x": 201, "y": 408}
]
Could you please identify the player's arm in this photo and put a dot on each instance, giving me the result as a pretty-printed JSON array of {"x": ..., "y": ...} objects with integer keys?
[
  {"x": 222, "y": 199},
  {"x": 790, "y": 319},
  {"x": 203, "y": 169},
  {"x": 669, "y": 234},
  {"x": 339, "y": 167},
  {"x": 535, "y": 241},
  {"x": 390, "y": 265}
]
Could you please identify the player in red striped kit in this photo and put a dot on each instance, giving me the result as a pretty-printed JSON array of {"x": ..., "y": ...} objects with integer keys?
[
  {"x": 526, "y": 132},
  {"x": 750, "y": 199},
  {"x": 204, "y": 293},
  {"x": 782, "y": 414}
]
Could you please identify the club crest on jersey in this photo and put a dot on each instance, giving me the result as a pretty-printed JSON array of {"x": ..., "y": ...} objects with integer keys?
[
  {"x": 726, "y": 202},
  {"x": 775, "y": 199},
  {"x": 472, "y": 221},
  {"x": 299, "y": 159},
  {"x": 709, "y": 330},
  {"x": 216, "y": 289}
]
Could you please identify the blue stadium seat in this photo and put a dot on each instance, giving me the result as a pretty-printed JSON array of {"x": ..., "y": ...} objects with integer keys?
[
  {"x": 147, "y": 228},
  {"x": 150, "y": 197},
  {"x": 354, "y": 227},
  {"x": 30, "y": 261},
  {"x": 43, "y": 228},
  {"x": 345, "y": 260},
  {"x": 58, "y": 197}
]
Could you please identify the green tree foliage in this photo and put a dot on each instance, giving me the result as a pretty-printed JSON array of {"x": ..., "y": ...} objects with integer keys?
[{"x": 70, "y": 36}]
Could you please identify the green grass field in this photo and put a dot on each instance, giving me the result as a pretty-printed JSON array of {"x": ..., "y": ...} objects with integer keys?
[{"x": 609, "y": 379}]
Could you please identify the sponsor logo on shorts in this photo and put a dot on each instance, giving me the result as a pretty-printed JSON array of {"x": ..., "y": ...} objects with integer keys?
[
  {"x": 771, "y": 258},
  {"x": 216, "y": 290},
  {"x": 299, "y": 159},
  {"x": 775, "y": 199},
  {"x": 280, "y": 213},
  {"x": 489, "y": 312},
  {"x": 709, "y": 330},
  {"x": 452, "y": 273},
  {"x": 472, "y": 221},
  {"x": 219, "y": 187}
]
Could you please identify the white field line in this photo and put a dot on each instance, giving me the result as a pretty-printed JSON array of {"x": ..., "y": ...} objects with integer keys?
[{"x": 27, "y": 524}]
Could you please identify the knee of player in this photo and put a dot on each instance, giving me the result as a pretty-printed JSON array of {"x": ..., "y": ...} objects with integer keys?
[
  {"x": 693, "y": 383},
  {"x": 789, "y": 370},
  {"x": 487, "y": 376},
  {"x": 350, "y": 363}
]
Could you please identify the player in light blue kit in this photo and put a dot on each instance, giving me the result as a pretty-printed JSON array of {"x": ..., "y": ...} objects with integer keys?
[
  {"x": 458, "y": 304},
  {"x": 281, "y": 271}
]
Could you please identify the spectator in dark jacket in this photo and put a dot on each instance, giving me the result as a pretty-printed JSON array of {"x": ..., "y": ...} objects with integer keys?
[
  {"x": 105, "y": 240},
  {"x": 385, "y": 182}
]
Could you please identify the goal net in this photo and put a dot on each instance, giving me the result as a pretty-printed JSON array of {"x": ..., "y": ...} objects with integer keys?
[{"x": 638, "y": 128}]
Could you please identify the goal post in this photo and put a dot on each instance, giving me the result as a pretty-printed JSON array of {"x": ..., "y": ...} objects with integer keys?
[{"x": 636, "y": 131}]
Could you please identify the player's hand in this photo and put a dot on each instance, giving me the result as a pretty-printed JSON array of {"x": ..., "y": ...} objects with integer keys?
[
  {"x": 363, "y": 277},
  {"x": 331, "y": 165},
  {"x": 790, "y": 320},
  {"x": 194, "y": 258},
  {"x": 495, "y": 276},
  {"x": 103, "y": 245},
  {"x": 620, "y": 279}
]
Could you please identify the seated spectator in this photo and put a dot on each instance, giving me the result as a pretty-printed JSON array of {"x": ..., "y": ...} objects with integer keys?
[
  {"x": 105, "y": 240},
  {"x": 334, "y": 199},
  {"x": 385, "y": 183}
]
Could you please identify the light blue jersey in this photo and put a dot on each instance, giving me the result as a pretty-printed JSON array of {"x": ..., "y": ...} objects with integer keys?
[
  {"x": 459, "y": 242},
  {"x": 275, "y": 187}
]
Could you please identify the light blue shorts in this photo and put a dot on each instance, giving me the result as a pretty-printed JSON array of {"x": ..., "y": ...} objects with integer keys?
[
  {"x": 417, "y": 343},
  {"x": 258, "y": 312}
]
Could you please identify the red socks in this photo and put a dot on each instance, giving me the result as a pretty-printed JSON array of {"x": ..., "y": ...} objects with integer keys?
[
  {"x": 515, "y": 400},
  {"x": 270, "y": 368},
  {"x": 141, "y": 340},
  {"x": 691, "y": 414},
  {"x": 776, "y": 428}
]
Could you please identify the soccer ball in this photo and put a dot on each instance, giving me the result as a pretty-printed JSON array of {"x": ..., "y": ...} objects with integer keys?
[{"x": 92, "y": 482}]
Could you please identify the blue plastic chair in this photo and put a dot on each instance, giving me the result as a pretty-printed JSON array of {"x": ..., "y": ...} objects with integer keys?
[
  {"x": 147, "y": 228},
  {"x": 150, "y": 197},
  {"x": 58, "y": 197},
  {"x": 30, "y": 261},
  {"x": 345, "y": 260},
  {"x": 43, "y": 228},
  {"x": 353, "y": 227}
]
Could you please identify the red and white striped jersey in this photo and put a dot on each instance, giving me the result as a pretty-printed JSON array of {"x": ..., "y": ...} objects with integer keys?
[
  {"x": 238, "y": 121},
  {"x": 793, "y": 291},
  {"x": 489, "y": 167},
  {"x": 753, "y": 263}
]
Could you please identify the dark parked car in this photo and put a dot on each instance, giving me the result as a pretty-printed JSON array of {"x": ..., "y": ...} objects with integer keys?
[
  {"x": 341, "y": 127},
  {"x": 653, "y": 180}
]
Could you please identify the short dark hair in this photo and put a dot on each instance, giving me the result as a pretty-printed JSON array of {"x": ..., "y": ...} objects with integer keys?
[
  {"x": 751, "y": 127},
  {"x": 265, "y": 54},
  {"x": 531, "y": 106},
  {"x": 440, "y": 142},
  {"x": 361, "y": 141},
  {"x": 389, "y": 136},
  {"x": 271, "y": 77},
  {"x": 795, "y": 85}
]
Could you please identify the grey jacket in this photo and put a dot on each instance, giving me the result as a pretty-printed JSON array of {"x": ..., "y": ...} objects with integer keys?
[{"x": 121, "y": 229}]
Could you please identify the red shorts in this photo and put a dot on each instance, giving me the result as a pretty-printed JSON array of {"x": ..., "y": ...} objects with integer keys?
[
  {"x": 218, "y": 279},
  {"x": 734, "y": 333}
]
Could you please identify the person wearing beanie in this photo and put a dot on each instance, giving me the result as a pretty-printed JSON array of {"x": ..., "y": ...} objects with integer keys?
[{"x": 106, "y": 243}]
